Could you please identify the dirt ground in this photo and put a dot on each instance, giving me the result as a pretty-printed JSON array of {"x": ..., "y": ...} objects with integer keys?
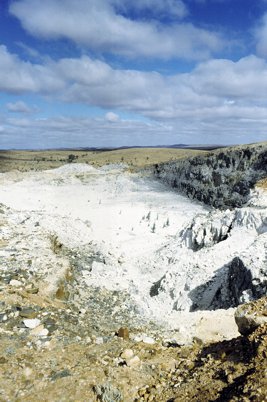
[{"x": 80, "y": 358}]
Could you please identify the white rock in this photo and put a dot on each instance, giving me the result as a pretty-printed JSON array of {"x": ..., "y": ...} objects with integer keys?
[
  {"x": 31, "y": 323},
  {"x": 135, "y": 361},
  {"x": 138, "y": 338},
  {"x": 15, "y": 283},
  {"x": 99, "y": 341},
  {"x": 127, "y": 354},
  {"x": 44, "y": 332},
  {"x": 40, "y": 331},
  {"x": 28, "y": 371},
  {"x": 148, "y": 340}
]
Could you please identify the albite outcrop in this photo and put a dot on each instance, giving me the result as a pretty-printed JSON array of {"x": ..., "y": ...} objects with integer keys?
[{"x": 207, "y": 230}]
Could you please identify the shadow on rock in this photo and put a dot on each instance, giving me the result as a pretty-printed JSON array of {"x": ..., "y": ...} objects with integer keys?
[{"x": 231, "y": 285}]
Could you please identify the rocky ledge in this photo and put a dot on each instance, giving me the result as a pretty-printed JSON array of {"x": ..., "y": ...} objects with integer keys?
[{"x": 222, "y": 178}]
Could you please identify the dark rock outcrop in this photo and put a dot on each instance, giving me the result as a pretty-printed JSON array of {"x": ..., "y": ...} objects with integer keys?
[
  {"x": 222, "y": 179},
  {"x": 232, "y": 285},
  {"x": 238, "y": 280}
]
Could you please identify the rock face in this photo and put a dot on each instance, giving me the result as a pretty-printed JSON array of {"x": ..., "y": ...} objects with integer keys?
[
  {"x": 216, "y": 277},
  {"x": 243, "y": 279},
  {"x": 222, "y": 179},
  {"x": 207, "y": 230},
  {"x": 238, "y": 285}
]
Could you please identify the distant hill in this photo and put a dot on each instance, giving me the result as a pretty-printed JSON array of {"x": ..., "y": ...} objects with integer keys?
[{"x": 207, "y": 147}]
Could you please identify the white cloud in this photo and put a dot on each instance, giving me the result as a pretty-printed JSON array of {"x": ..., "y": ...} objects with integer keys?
[
  {"x": 17, "y": 76},
  {"x": 19, "y": 107},
  {"x": 97, "y": 25},
  {"x": 81, "y": 132},
  {"x": 244, "y": 80},
  {"x": 112, "y": 117},
  {"x": 216, "y": 97},
  {"x": 94, "y": 82},
  {"x": 85, "y": 132}
]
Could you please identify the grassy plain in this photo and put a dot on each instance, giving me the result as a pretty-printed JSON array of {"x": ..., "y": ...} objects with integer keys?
[{"x": 49, "y": 159}]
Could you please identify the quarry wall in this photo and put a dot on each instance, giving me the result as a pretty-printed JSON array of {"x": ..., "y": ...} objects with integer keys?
[{"x": 221, "y": 179}]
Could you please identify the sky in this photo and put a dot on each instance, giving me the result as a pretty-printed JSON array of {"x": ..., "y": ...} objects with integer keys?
[{"x": 95, "y": 73}]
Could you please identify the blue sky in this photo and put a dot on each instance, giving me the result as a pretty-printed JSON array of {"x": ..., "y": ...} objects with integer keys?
[{"x": 77, "y": 73}]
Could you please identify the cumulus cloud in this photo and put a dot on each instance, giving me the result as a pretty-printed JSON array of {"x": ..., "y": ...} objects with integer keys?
[
  {"x": 94, "y": 82},
  {"x": 216, "y": 97},
  {"x": 18, "y": 76},
  {"x": 98, "y": 25},
  {"x": 244, "y": 80},
  {"x": 112, "y": 117},
  {"x": 19, "y": 107}
]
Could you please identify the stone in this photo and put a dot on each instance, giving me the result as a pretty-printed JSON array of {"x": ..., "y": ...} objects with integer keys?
[
  {"x": 3, "y": 317},
  {"x": 28, "y": 312},
  {"x": 15, "y": 283},
  {"x": 32, "y": 290},
  {"x": 148, "y": 340},
  {"x": 107, "y": 392},
  {"x": 133, "y": 362},
  {"x": 40, "y": 331},
  {"x": 31, "y": 323},
  {"x": 123, "y": 333},
  {"x": 127, "y": 354},
  {"x": 169, "y": 365},
  {"x": 50, "y": 324},
  {"x": 99, "y": 340},
  {"x": 27, "y": 372},
  {"x": 138, "y": 338}
]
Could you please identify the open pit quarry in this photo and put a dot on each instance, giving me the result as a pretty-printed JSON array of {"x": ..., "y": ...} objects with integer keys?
[{"x": 141, "y": 285}]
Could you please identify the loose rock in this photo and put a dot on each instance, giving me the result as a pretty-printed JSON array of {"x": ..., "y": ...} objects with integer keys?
[
  {"x": 31, "y": 323},
  {"x": 123, "y": 333}
]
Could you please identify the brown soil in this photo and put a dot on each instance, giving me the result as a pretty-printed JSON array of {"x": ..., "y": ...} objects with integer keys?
[
  {"x": 262, "y": 184},
  {"x": 80, "y": 361}
]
